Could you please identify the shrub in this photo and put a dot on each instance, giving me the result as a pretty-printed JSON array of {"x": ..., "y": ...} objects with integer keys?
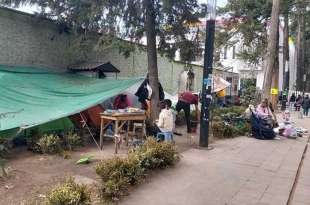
[
  {"x": 70, "y": 193},
  {"x": 50, "y": 144},
  {"x": 5, "y": 147},
  {"x": 118, "y": 174},
  {"x": 32, "y": 141},
  {"x": 153, "y": 155},
  {"x": 223, "y": 130},
  {"x": 72, "y": 140},
  {"x": 225, "y": 122},
  {"x": 114, "y": 182}
]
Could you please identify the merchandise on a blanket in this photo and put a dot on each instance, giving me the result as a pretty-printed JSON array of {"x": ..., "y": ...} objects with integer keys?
[
  {"x": 290, "y": 132},
  {"x": 301, "y": 131}
]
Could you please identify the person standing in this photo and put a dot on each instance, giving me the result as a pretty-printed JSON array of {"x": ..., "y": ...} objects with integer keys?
[
  {"x": 144, "y": 94},
  {"x": 298, "y": 102},
  {"x": 184, "y": 103},
  {"x": 292, "y": 101},
  {"x": 166, "y": 121},
  {"x": 283, "y": 102},
  {"x": 306, "y": 105}
]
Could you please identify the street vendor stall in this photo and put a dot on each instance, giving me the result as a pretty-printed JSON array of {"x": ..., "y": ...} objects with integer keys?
[{"x": 120, "y": 118}]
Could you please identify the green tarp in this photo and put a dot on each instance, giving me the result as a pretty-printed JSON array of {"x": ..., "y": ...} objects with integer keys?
[
  {"x": 32, "y": 96},
  {"x": 63, "y": 124}
]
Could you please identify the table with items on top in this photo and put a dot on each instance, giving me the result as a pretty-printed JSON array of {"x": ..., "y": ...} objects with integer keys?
[{"x": 120, "y": 119}]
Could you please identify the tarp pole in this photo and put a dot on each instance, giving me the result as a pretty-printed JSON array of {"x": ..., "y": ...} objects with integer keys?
[{"x": 91, "y": 134}]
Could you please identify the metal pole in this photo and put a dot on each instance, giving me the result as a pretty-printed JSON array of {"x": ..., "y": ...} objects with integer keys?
[{"x": 206, "y": 96}]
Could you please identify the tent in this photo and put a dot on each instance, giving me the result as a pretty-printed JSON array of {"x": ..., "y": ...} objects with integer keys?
[{"x": 34, "y": 96}]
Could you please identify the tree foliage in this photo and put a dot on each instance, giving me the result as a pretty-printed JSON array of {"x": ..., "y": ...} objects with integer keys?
[
  {"x": 176, "y": 21},
  {"x": 248, "y": 21}
]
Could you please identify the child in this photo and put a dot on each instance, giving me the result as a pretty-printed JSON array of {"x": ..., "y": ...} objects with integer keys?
[
  {"x": 166, "y": 118},
  {"x": 286, "y": 116}
]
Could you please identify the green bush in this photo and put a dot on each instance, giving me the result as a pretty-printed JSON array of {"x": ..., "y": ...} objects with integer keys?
[
  {"x": 50, "y": 144},
  {"x": 221, "y": 130},
  {"x": 153, "y": 155},
  {"x": 32, "y": 142},
  {"x": 72, "y": 140},
  {"x": 117, "y": 174},
  {"x": 233, "y": 129},
  {"x": 69, "y": 193},
  {"x": 5, "y": 147}
]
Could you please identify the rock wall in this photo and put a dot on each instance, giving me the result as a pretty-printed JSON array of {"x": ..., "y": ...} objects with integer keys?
[{"x": 29, "y": 41}]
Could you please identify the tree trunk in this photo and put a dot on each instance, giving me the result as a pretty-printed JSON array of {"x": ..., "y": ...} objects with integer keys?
[
  {"x": 152, "y": 56},
  {"x": 300, "y": 48},
  {"x": 275, "y": 73},
  {"x": 271, "y": 49},
  {"x": 286, "y": 54}
]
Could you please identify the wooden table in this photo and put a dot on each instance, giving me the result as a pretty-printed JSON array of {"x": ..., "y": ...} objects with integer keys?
[{"x": 120, "y": 119}]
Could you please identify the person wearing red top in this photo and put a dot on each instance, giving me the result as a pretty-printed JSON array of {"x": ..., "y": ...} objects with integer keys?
[
  {"x": 186, "y": 99},
  {"x": 121, "y": 102}
]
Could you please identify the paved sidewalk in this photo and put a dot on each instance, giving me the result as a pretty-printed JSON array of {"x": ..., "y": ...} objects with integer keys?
[
  {"x": 302, "y": 192},
  {"x": 241, "y": 171}
]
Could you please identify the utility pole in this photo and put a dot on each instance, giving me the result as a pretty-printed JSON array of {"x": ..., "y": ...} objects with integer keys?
[{"x": 207, "y": 75}]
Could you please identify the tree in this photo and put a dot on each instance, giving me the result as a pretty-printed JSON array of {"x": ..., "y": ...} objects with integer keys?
[
  {"x": 286, "y": 9},
  {"x": 300, "y": 47},
  {"x": 164, "y": 20},
  {"x": 248, "y": 21},
  {"x": 271, "y": 49}
]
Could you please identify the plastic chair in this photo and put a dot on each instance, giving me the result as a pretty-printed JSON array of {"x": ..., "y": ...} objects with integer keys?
[{"x": 166, "y": 136}]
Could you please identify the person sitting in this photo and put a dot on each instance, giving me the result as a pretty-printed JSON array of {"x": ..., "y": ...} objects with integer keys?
[
  {"x": 263, "y": 111},
  {"x": 121, "y": 102},
  {"x": 185, "y": 101},
  {"x": 166, "y": 118}
]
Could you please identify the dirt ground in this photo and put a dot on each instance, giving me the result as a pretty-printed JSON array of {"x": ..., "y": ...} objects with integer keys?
[{"x": 32, "y": 175}]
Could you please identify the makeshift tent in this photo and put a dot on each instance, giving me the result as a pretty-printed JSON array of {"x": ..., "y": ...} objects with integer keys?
[{"x": 32, "y": 96}]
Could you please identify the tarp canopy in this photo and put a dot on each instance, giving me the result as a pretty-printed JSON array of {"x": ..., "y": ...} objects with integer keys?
[
  {"x": 32, "y": 96},
  {"x": 219, "y": 84}
]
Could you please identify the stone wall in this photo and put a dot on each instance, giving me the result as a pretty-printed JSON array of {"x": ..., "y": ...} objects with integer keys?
[
  {"x": 29, "y": 41},
  {"x": 169, "y": 71},
  {"x": 33, "y": 41}
]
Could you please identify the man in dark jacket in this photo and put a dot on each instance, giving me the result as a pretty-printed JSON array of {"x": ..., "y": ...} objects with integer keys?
[
  {"x": 306, "y": 105},
  {"x": 144, "y": 93}
]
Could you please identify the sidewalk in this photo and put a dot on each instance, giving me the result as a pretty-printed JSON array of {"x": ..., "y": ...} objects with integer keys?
[{"x": 241, "y": 171}]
